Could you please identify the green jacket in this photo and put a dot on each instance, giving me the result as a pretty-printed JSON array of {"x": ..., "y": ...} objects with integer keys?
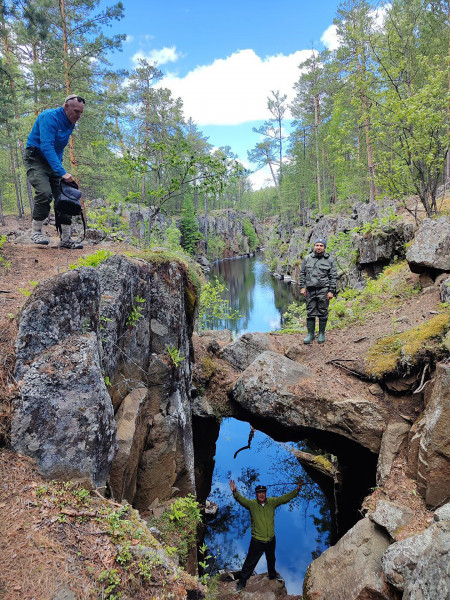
[
  {"x": 318, "y": 272},
  {"x": 263, "y": 517}
]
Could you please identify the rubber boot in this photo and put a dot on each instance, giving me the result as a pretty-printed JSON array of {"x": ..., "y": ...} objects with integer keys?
[
  {"x": 66, "y": 239},
  {"x": 311, "y": 326},
  {"x": 322, "y": 326},
  {"x": 36, "y": 233}
]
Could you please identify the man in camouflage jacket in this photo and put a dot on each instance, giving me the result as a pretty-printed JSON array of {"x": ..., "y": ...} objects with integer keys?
[{"x": 318, "y": 275}]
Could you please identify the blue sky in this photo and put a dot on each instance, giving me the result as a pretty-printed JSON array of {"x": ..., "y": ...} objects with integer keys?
[{"x": 223, "y": 59}]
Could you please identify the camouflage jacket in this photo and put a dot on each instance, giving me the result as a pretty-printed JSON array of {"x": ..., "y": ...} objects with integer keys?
[{"x": 318, "y": 272}]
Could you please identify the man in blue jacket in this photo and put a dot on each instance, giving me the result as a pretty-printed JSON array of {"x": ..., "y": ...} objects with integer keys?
[
  {"x": 262, "y": 514},
  {"x": 43, "y": 162}
]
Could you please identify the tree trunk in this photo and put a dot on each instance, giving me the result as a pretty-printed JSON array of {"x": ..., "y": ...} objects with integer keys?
[{"x": 316, "y": 129}]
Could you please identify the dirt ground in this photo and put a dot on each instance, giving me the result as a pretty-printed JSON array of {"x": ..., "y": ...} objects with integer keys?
[{"x": 32, "y": 555}]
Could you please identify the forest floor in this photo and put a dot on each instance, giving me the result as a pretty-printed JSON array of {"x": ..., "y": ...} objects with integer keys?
[{"x": 26, "y": 561}]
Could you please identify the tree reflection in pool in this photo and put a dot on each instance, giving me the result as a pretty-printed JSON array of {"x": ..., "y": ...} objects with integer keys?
[{"x": 302, "y": 527}]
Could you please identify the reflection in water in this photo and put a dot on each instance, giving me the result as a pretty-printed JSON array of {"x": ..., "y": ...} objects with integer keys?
[
  {"x": 255, "y": 294},
  {"x": 302, "y": 526}
]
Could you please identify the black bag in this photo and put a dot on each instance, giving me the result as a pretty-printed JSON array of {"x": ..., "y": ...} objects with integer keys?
[{"x": 68, "y": 202}]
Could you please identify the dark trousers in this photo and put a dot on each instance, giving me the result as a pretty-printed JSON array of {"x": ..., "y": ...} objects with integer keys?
[
  {"x": 317, "y": 303},
  {"x": 255, "y": 551},
  {"x": 46, "y": 185}
]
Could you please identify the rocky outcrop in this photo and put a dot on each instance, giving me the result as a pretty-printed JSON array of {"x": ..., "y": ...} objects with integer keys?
[
  {"x": 430, "y": 249},
  {"x": 429, "y": 446},
  {"x": 391, "y": 516},
  {"x": 93, "y": 331},
  {"x": 382, "y": 245},
  {"x": 418, "y": 565},
  {"x": 258, "y": 587},
  {"x": 394, "y": 438},
  {"x": 445, "y": 290},
  {"x": 351, "y": 570},
  {"x": 278, "y": 390}
]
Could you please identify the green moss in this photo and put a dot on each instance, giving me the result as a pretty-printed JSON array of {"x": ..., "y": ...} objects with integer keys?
[
  {"x": 403, "y": 350},
  {"x": 324, "y": 462}
]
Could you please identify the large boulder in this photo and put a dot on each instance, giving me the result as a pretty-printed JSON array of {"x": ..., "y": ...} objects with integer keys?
[
  {"x": 429, "y": 448},
  {"x": 351, "y": 570},
  {"x": 418, "y": 565},
  {"x": 431, "y": 246},
  {"x": 279, "y": 390},
  {"x": 243, "y": 351},
  {"x": 445, "y": 290},
  {"x": 391, "y": 516},
  {"x": 65, "y": 419}
]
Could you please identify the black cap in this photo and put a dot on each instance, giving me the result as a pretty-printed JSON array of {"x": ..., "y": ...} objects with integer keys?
[{"x": 260, "y": 488}]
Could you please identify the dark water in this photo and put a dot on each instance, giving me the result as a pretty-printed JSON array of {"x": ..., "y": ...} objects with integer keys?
[{"x": 302, "y": 526}]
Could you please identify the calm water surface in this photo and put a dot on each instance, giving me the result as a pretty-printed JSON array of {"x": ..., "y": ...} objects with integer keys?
[{"x": 302, "y": 526}]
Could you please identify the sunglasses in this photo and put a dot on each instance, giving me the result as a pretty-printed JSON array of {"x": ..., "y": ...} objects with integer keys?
[{"x": 79, "y": 98}]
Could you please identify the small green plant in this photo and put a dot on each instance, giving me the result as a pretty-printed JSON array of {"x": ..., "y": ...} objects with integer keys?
[
  {"x": 204, "y": 563},
  {"x": 27, "y": 292},
  {"x": 175, "y": 355},
  {"x": 136, "y": 312},
  {"x": 110, "y": 578},
  {"x": 92, "y": 260}
]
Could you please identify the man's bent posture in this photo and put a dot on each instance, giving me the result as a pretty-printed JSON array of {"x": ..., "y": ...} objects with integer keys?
[{"x": 43, "y": 162}]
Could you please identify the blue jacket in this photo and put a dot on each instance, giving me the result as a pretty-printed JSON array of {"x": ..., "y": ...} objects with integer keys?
[{"x": 51, "y": 132}]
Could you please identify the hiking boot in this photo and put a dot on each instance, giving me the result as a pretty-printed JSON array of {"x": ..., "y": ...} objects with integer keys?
[
  {"x": 70, "y": 244},
  {"x": 277, "y": 576},
  {"x": 67, "y": 241},
  {"x": 37, "y": 236},
  {"x": 322, "y": 326},
  {"x": 311, "y": 326},
  {"x": 240, "y": 585}
]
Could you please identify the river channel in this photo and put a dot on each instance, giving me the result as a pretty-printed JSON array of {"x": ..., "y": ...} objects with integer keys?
[{"x": 302, "y": 527}]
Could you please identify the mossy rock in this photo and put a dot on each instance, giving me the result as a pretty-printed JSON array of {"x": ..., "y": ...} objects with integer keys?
[{"x": 402, "y": 352}]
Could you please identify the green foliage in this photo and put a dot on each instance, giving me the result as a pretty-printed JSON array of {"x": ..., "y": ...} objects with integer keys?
[
  {"x": 107, "y": 220},
  {"x": 27, "y": 292},
  {"x": 249, "y": 232},
  {"x": 294, "y": 317},
  {"x": 136, "y": 312},
  {"x": 175, "y": 355},
  {"x": 92, "y": 260},
  {"x": 203, "y": 563},
  {"x": 111, "y": 579},
  {"x": 213, "y": 306},
  {"x": 190, "y": 233},
  {"x": 173, "y": 237},
  {"x": 216, "y": 246},
  {"x": 178, "y": 525},
  {"x": 3, "y": 262}
]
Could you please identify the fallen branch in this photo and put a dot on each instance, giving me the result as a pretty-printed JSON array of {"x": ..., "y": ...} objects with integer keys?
[{"x": 335, "y": 363}]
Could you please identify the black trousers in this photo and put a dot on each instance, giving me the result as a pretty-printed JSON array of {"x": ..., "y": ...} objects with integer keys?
[
  {"x": 255, "y": 551},
  {"x": 45, "y": 183},
  {"x": 317, "y": 303}
]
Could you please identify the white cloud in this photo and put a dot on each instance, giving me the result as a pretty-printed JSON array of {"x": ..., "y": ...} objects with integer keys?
[
  {"x": 129, "y": 39},
  {"x": 234, "y": 90},
  {"x": 158, "y": 57},
  {"x": 330, "y": 38}
]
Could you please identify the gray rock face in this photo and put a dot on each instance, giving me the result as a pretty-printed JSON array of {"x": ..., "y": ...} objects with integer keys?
[
  {"x": 429, "y": 451},
  {"x": 58, "y": 308},
  {"x": 243, "y": 351},
  {"x": 431, "y": 246},
  {"x": 363, "y": 213},
  {"x": 275, "y": 388},
  {"x": 419, "y": 565},
  {"x": 393, "y": 438},
  {"x": 65, "y": 418},
  {"x": 391, "y": 516},
  {"x": 445, "y": 290},
  {"x": 351, "y": 570},
  {"x": 114, "y": 323}
]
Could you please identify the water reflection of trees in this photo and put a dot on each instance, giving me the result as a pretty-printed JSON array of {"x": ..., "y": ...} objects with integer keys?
[
  {"x": 240, "y": 277},
  {"x": 232, "y": 521}
]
